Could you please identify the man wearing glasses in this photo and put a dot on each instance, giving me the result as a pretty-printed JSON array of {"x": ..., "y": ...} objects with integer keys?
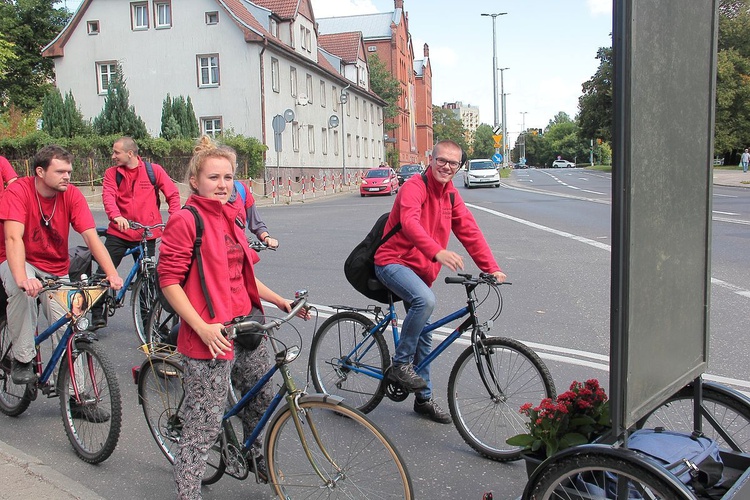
[{"x": 428, "y": 208}]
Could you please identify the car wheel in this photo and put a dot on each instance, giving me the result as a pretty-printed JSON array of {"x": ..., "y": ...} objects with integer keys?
[{"x": 362, "y": 195}]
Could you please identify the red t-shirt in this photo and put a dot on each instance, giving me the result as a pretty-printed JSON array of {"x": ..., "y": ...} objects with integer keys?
[
  {"x": 46, "y": 246},
  {"x": 6, "y": 173}
]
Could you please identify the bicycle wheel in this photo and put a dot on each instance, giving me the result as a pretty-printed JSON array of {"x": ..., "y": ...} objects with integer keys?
[
  {"x": 336, "y": 367},
  {"x": 160, "y": 324},
  {"x": 13, "y": 399},
  {"x": 731, "y": 414},
  {"x": 362, "y": 462},
  {"x": 161, "y": 394},
  {"x": 592, "y": 476},
  {"x": 142, "y": 301},
  {"x": 93, "y": 425},
  {"x": 486, "y": 418}
]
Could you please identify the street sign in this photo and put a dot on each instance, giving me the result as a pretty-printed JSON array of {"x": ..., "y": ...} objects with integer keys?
[
  {"x": 497, "y": 158},
  {"x": 497, "y": 130},
  {"x": 498, "y": 140}
]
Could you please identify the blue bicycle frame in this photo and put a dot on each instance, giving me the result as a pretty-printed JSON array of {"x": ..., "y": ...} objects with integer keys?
[{"x": 132, "y": 273}]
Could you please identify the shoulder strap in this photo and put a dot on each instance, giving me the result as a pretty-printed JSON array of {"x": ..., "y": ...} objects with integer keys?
[
  {"x": 197, "y": 256},
  {"x": 239, "y": 188},
  {"x": 118, "y": 178},
  {"x": 452, "y": 195}
]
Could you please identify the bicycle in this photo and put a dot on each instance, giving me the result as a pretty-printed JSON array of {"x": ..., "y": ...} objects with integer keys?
[
  {"x": 141, "y": 278},
  {"x": 315, "y": 444},
  {"x": 86, "y": 382},
  {"x": 489, "y": 381}
]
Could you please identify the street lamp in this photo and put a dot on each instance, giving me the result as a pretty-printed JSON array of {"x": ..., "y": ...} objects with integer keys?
[
  {"x": 523, "y": 132},
  {"x": 505, "y": 128},
  {"x": 494, "y": 61}
]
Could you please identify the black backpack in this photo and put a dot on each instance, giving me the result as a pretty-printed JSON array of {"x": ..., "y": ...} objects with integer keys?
[
  {"x": 151, "y": 177},
  {"x": 359, "y": 267}
]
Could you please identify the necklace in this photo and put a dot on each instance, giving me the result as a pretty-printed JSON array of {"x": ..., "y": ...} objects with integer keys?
[{"x": 45, "y": 220}]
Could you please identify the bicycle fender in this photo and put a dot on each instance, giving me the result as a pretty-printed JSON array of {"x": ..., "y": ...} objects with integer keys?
[{"x": 318, "y": 397}]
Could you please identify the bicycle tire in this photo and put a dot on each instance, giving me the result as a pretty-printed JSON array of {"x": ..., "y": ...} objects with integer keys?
[
  {"x": 731, "y": 413},
  {"x": 93, "y": 439},
  {"x": 369, "y": 466},
  {"x": 159, "y": 325},
  {"x": 161, "y": 393},
  {"x": 13, "y": 398},
  {"x": 593, "y": 476},
  {"x": 142, "y": 300},
  {"x": 335, "y": 339},
  {"x": 486, "y": 420}
]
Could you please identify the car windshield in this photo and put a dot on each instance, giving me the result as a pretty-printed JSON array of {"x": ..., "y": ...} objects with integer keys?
[
  {"x": 409, "y": 169},
  {"x": 377, "y": 173},
  {"x": 481, "y": 165}
]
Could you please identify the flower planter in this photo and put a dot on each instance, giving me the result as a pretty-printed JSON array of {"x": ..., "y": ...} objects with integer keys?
[{"x": 532, "y": 461}]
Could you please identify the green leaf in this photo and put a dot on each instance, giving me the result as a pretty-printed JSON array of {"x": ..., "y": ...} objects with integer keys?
[
  {"x": 520, "y": 440},
  {"x": 572, "y": 439}
]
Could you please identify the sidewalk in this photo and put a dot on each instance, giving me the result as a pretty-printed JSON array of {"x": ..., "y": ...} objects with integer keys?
[{"x": 732, "y": 178}]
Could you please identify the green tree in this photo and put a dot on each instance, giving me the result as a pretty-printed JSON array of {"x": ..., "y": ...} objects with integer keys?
[
  {"x": 595, "y": 105},
  {"x": 61, "y": 117},
  {"x": 483, "y": 145},
  {"x": 30, "y": 25},
  {"x": 446, "y": 125},
  {"x": 168, "y": 130},
  {"x": 561, "y": 138},
  {"x": 194, "y": 129},
  {"x": 118, "y": 116},
  {"x": 383, "y": 83},
  {"x": 7, "y": 56}
]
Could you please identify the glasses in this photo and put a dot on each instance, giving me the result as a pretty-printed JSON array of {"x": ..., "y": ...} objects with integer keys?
[{"x": 441, "y": 162}]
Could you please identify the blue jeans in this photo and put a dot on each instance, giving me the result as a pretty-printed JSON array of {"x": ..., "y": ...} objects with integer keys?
[
  {"x": 744, "y": 166},
  {"x": 414, "y": 345}
]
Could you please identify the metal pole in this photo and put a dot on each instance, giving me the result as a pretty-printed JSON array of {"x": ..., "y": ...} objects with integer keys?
[
  {"x": 494, "y": 63},
  {"x": 505, "y": 129},
  {"x": 344, "y": 98},
  {"x": 523, "y": 131}
]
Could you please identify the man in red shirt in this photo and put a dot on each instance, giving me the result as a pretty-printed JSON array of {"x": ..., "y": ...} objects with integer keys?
[
  {"x": 7, "y": 174},
  {"x": 37, "y": 213},
  {"x": 409, "y": 262},
  {"x": 129, "y": 195}
]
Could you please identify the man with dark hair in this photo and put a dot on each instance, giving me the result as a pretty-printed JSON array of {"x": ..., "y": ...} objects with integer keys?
[
  {"x": 409, "y": 262},
  {"x": 37, "y": 213},
  {"x": 130, "y": 192}
]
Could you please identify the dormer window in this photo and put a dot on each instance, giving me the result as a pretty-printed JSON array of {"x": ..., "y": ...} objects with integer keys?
[
  {"x": 274, "y": 28},
  {"x": 212, "y": 17},
  {"x": 92, "y": 27}
]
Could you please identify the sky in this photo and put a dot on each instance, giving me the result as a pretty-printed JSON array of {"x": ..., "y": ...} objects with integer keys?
[{"x": 548, "y": 46}]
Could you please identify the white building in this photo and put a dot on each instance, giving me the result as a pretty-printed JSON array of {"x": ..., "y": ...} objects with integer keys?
[
  {"x": 469, "y": 116},
  {"x": 240, "y": 62}
]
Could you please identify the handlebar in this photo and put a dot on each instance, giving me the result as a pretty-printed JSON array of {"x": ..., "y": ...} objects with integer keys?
[
  {"x": 54, "y": 284},
  {"x": 239, "y": 326},
  {"x": 258, "y": 246},
  {"x": 468, "y": 279}
]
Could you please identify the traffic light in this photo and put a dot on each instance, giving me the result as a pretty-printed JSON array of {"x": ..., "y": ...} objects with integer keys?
[{"x": 535, "y": 132}]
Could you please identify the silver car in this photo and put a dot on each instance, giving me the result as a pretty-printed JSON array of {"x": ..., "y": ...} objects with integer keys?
[{"x": 481, "y": 173}]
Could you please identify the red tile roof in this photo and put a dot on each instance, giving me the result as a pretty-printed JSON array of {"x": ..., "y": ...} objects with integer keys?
[
  {"x": 285, "y": 9},
  {"x": 344, "y": 45}
]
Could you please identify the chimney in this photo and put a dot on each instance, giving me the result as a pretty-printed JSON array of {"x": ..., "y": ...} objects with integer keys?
[
  {"x": 426, "y": 50},
  {"x": 399, "y": 4}
]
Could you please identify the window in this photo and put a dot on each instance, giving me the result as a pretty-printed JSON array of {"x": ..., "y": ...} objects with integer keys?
[
  {"x": 275, "y": 77},
  {"x": 364, "y": 110},
  {"x": 367, "y": 146},
  {"x": 372, "y": 144},
  {"x": 139, "y": 12},
  {"x": 348, "y": 107},
  {"x": 335, "y": 98},
  {"x": 302, "y": 39},
  {"x": 211, "y": 126},
  {"x": 322, "y": 94},
  {"x": 349, "y": 144},
  {"x": 293, "y": 81},
  {"x": 309, "y": 88},
  {"x": 92, "y": 27},
  {"x": 358, "y": 150},
  {"x": 104, "y": 73},
  {"x": 295, "y": 136},
  {"x": 274, "y": 27},
  {"x": 208, "y": 70},
  {"x": 212, "y": 17},
  {"x": 324, "y": 140},
  {"x": 372, "y": 113},
  {"x": 163, "y": 14},
  {"x": 311, "y": 139},
  {"x": 356, "y": 107},
  {"x": 308, "y": 37}
]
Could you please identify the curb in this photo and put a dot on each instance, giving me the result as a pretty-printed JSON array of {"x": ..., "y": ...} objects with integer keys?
[{"x": 31, "y": 478}]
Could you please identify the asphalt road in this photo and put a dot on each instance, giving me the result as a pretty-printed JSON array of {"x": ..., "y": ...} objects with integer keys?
[{"x": 550, "y": 232}]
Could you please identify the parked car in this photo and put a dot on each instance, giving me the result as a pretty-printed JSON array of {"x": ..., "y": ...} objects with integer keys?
[
  {"x": 406, "y": 172},
  {"x": 481, "y": 173},
  {"x": 563, "y": 164},
  {"x": 381, "y": 180}
]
